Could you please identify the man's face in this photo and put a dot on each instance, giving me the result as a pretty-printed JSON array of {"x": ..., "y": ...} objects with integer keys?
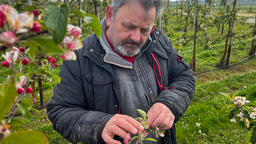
[{"x": 130, "y": 28}]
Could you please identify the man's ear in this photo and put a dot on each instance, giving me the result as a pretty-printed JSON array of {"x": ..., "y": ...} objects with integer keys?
[{"x": 109, "y": 14}]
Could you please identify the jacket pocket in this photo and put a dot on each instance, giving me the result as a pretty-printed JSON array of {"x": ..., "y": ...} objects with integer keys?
[{"x": 101, "y": 90}]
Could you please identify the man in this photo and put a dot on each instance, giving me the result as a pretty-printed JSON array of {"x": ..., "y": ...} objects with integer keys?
[{"x": 131, "y": 66}]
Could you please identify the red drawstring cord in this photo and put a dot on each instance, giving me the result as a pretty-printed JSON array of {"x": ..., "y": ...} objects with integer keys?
[{"x": 160, "y": 84}]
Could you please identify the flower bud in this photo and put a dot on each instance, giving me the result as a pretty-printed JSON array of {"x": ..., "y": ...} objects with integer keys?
[
  {"x": 71, "y": 46},
  {"x": 25, "y": 61},
  {"x": 29, "y": 90},
  {"x": 35, "y": 12},
  {"x": 75, "y": 31},
  {"x": 53, "y": 61},
  {"x": 55, "y": 65},
  {"x": 49, "y": 59},
  {"x": 36, "y": 27},
  {"x": 1, "y": 23},
  {"x": 22, "y": 49},
  {"x": 8, "y": 38},
  {"x": 125, "y": 141},
  {"x": 6, "y": 64},
  {"x": 20, "y": 90}
]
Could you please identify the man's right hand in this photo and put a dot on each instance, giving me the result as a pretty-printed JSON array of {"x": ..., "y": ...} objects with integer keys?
[{"x": 120, "y": 125}]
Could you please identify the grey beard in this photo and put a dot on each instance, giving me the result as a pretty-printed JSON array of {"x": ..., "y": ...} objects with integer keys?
[{"x": 119, "y": 49}]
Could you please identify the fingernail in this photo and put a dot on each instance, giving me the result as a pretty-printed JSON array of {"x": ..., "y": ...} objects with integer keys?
[
  {"x": 134, "y": 131},
  {"x": 127, "y": 137},
  {"x": 141, "y": 127}
]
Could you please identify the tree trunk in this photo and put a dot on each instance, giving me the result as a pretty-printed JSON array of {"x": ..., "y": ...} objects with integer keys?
[
  {"x": 181, "y": 11},
  {"x": 9, "y": 2},
  {"x": 253, "y": 49},
  {"x": 225, "y": 3},
  {"x": 205, "y": 3},
  {"x": 159, "y": 23},
  {"x": 177, "y": 13},
  {"x": 186, "y": 25},
  {"x": 193, "y": 63},
  {"x": 232, "y": 33},
  {"x": 29, "y": 2},
  {"x": 40, "y": 85},
  {"x": 96, "y": 9}
]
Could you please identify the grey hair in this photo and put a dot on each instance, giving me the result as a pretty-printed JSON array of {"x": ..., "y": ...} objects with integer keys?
[{"x": 146, "y": 4}]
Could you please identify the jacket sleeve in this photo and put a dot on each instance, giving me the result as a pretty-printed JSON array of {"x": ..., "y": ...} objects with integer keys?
[
  {"x": 67, "y": 109},
  {"x": 180, "y": 77}
]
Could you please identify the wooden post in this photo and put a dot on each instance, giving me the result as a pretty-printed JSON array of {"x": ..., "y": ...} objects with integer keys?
[{"x": 193, "y": 63}]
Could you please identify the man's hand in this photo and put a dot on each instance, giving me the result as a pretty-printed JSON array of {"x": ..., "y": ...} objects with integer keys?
[
  {"x": 160, "y": 116},
  {"x": 120, "y": 125}
]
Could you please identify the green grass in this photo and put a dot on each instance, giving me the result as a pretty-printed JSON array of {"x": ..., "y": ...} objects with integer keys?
[{"x": 215, "y": 126}]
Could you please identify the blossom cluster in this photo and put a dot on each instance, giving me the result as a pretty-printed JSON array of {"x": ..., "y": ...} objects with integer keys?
[
  {"x": 18, "y": 22},
  {"x": 240, "y": 102},
  {"x": 71, "y": 42},
  {"x": 4, "y": 130}
]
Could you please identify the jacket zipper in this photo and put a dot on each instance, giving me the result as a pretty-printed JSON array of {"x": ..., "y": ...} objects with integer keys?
[{"x": 146, "y": 79}]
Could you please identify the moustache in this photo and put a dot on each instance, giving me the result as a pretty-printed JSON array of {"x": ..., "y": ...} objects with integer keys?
[{"x": 131, "y": 42}]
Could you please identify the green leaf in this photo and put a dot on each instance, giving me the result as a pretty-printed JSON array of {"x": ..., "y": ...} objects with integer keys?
[
  {"x": 24, "y": 106},
  {"x": 134, "y": 138},
  {"x": 90, "y": 19},
  {"x": 31, "y": 8},
  {"x": 56, "y": 20},
  {"x": 26, "y": 137},
  {"x": 225, "y": 107},
  {"x": 33, "y": 109},
  {"x": 253, "y": 137},
  {"x": 246, "y": 114},
  {"x": 47, "y": 44},
  {"x": 241, "y": 123},
  {"x": 15, "y": 122},
  {"x": 151, "y": 139},
  {"x": 142, "y": 113},
  {"x": 55, "y": 77},
  {"x": 233, "y": 112},
  {"x": 7, "y": 95},
  {"x": 42, "y": 24},
  {"x": 32, "y": 49}
]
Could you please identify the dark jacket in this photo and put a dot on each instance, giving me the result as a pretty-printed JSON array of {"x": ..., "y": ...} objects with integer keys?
[{"x": 87, "y": 96}]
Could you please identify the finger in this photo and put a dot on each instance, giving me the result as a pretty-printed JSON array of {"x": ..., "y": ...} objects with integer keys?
[
  {"x": 165, "y": 124},
  {"x": 130, "y": 125},
  {"x": 152, "y": 115},
  {"x": 158, "y": 120},
  {"x": 109, "y": 140},
  {"x": 118, "y": 131}
]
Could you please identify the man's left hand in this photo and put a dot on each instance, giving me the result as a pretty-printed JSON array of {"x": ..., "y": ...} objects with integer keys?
[{"x": 160, "y": 116}]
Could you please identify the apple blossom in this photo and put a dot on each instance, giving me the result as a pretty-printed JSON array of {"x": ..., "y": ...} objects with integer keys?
[
  {"x": 5, "y": 64},
  {"x": 56, "y": 65},
  {"x": 68, "y": 56},
  {"x": 22, "y": 49},
  {"x": 4, "y": 129},
  {"x": 8, "y": 38},
  {"x": 76, "y": 31},
  {"x": 71, "y": 46},
  {"x": 1, "y": 23},
  {"x": 66, "y": 40},
  {"x": 12, "y": 55},
  {"x": 25, "y": 61},
  {"x": 35, "y": 12},
  {"x": 70, "y": 27},
  {"x": 49, "y": 59},
  {"x": 36, "y": 27},
  {"x": 29, "y": 90},
  {"x": 53, "y": 61}
]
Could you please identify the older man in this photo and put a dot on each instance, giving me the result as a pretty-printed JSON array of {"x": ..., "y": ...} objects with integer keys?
[{"x": 131, "y": 66}]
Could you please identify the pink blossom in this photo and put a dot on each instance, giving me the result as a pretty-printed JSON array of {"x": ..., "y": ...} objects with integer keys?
[
  {"x": 22, "y": 49},
  {"x": 12, "y": 55},
  {"x": 1, "y": 23},
  {"x": 53, "y": 61},
  {"x": 70, "y": 27},
  {"x": 66, "y": 40},
  {"x": 36, "y": 27},
  {"x": 49, "y": 59},
  {"x": 76, "y": 31},
  {"x": 5, "y": 64},
  {"x": 29, "y": 90},
  {"x": 8, "y": 38},
  {"x": 55, "y": 65},
  {"x": 71, "y": 46},
  {"x": 68, "y": 56},
  {"x": 35, "y": 12},
  {"x": 125, "y": 141},
  {"x": 20, "y": 90},
  {"x": 25, "y": 61}
]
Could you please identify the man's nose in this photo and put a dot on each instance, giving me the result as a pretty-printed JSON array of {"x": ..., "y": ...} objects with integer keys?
[{"x": 136, "y": 35}]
